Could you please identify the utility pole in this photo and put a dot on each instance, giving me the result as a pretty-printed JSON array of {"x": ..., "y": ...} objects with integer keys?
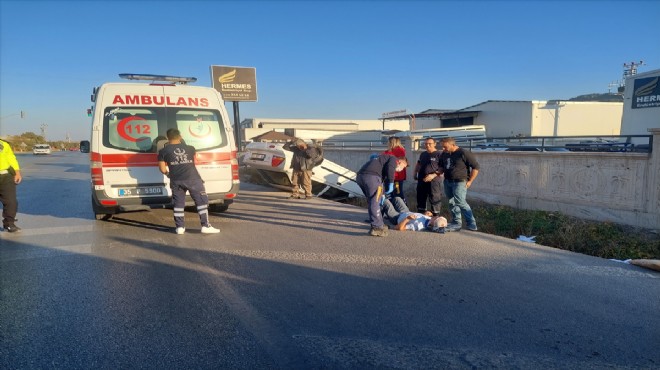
[{"x": 43, "y": 130}]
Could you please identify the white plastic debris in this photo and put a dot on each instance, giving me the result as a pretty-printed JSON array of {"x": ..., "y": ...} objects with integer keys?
[
  {"x": 529, "y": 239},
  {"x": 622, "y": 261}
]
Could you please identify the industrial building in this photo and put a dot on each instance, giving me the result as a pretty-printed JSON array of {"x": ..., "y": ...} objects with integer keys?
[
  {"x": 524, "y": 118},
  {"x": 319, "y": 129}
]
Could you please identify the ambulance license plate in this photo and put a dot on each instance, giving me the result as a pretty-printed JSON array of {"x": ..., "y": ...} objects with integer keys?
[{"x": 150, "y": 190}]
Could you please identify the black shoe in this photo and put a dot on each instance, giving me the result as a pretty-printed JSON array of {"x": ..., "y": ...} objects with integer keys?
[{"x": 12, "y": 228}]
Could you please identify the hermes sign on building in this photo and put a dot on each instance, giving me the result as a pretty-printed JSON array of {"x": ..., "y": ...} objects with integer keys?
[{"x": 646, "y": 93}]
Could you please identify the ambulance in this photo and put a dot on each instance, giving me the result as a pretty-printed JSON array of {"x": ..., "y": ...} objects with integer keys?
[{"x": 129, "y": 123}]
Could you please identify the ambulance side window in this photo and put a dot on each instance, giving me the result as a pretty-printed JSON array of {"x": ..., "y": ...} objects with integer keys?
[
  {"x": 132, "y": 129},
  {"x": 202, "y": 129}
]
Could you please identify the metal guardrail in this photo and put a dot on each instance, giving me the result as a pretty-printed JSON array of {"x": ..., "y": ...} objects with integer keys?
[
  {"x": 600, "y": 143},
  {"x": 355, "y": 144}
]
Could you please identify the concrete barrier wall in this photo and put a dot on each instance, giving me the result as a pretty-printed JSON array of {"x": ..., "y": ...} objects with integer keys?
[{"x": 618, "y": 187}]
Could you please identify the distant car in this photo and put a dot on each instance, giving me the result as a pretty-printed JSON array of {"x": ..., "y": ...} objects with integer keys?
[
  {"x": 523, "y": 149},
  {"x": 536, "y": 149},
  {"x": 41, "y": 149},
  {"x": 73, "y": 149},
  {"x": 555, "y": 149},
  {"x": 490, "y": 147}
]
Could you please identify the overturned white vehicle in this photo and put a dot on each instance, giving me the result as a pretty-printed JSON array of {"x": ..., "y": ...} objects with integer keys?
[{"x": 272, "y": 163}]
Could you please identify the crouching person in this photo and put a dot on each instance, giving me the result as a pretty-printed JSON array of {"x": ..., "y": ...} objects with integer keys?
[{"x": 370, "y": 179}]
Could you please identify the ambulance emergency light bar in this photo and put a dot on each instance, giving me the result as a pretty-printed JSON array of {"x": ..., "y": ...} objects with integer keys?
[{"x": 154, "y": 78}]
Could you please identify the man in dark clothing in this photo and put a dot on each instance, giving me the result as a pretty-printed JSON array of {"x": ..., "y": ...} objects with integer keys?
[
  {"x": 301, "y": 164},
  {"x": 177, "y": 161},
  {"x": 429, "y": 181},
  {"x": 370, "y": 179},
  {"x": 460, "y": 168}
]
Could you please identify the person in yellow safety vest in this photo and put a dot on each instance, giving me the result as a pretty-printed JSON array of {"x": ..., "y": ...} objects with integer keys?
[{"x": 10, "y": 176}]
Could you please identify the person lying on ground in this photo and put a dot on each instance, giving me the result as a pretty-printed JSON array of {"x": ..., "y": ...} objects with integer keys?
[{"x": 398, "y": 213}]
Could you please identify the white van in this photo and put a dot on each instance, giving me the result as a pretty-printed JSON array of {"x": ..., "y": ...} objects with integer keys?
[
  {"x": 41, "y": 149},
  {"x": 129, "y": 122}
]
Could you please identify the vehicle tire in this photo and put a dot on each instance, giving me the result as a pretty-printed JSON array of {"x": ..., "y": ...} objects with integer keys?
[
  {"x": 99, "y": 216},
  {"x": 102, "y": 216},
  {"x": 218, "y": 208}
]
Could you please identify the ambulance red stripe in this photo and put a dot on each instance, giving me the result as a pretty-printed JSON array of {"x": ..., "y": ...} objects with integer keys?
[{"x": 151, "y": 159}]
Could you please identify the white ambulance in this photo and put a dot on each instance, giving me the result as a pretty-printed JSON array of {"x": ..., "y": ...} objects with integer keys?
[{"x": 129, "y": 123}]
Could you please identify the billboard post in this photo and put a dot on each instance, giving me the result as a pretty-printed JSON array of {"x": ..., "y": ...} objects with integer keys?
[
  {"x": 235, "y": 84},
  {"x": 237, "y": 127}
]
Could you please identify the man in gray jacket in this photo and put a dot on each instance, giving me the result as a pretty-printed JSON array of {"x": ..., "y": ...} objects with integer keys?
[{"x": 301, "y": 164}]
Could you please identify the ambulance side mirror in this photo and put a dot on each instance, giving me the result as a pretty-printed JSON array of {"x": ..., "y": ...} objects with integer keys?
[{"x": 84, "y": 146}]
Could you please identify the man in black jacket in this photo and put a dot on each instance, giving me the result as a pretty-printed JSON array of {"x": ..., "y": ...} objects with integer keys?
[{"x": 301, "y": 164}]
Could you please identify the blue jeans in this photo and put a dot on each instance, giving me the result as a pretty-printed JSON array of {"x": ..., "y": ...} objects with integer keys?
[
  {"x": 393, "y": 208},
  {"x": 456, "y": 193},
  {"x": 372, "y": 187}
]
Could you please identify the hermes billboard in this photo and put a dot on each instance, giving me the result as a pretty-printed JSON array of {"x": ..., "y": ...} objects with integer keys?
[
  {"x": 646, "y": 93},
  {"x": 235, "y": 83}
]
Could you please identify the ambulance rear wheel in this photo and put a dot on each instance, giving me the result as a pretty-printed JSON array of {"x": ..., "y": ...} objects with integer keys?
[
  {"x": 218, "y": 208},
  {"x": 102, "y": 216}
]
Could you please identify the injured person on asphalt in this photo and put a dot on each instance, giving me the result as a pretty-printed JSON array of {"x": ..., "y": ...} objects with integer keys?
[{"x": 396, "y": 210}]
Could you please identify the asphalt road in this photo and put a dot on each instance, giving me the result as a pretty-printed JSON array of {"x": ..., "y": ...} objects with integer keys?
[{"x": 299, "y": 285}]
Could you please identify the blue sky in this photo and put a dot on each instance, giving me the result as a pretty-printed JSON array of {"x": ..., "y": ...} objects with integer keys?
[{"x": 325, "y": 59}]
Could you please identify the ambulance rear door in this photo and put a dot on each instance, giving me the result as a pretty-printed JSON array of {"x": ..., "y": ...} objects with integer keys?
[
  {"x": 132, "y": 127},
  {"x": 202, "y": 119}
]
